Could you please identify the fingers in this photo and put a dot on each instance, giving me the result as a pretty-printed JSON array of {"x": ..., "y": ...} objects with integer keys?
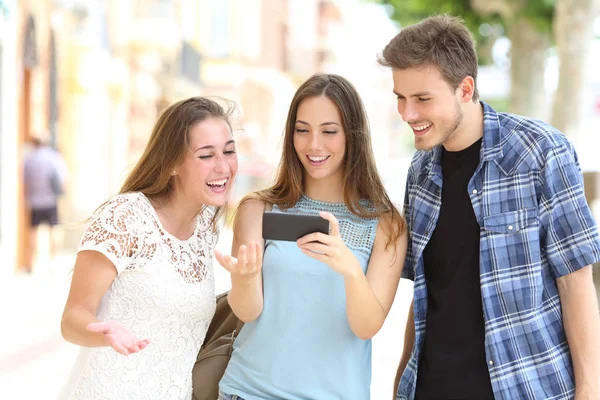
[
  {"x": 316, "y": 237},
  {"x": 321, "y": 257},
  {"x": 242, "y": 266},
  {"x": 129, "y": 347},
  {"x": 319, "y": 248},
  {"x": 226, "y": 261},
  {"x": 252, "y": 253},
  {"x": 135, "y": 346},
  {"x": 119, "y": 348},
  {"x": 334, "y": 225},
  {"x": 248, "y": 261}
]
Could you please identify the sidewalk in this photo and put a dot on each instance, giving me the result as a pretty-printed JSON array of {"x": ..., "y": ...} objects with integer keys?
[{"x": 35, "y": 360}]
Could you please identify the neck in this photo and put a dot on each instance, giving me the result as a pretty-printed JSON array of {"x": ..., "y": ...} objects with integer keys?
[
  {"x": 329, "y": 190},
  {"x": 177, "y": 214},
  {"x": 469, "y": 131}
]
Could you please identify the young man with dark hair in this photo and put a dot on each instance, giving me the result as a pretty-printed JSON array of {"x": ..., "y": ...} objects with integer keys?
[{"x": 502, "y": 240}]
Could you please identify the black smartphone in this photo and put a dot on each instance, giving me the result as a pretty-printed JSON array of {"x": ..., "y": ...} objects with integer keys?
[{"x": 291, "y": 227}]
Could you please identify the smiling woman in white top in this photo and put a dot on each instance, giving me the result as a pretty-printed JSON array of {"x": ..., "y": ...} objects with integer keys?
[{"x": 142, "y": 294}]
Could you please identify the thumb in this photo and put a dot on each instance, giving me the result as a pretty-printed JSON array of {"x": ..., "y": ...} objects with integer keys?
[
  {"x": 98, "y": 327},
  {"x": 334, "y": 225},
  {"x": 220, "y": 258}
]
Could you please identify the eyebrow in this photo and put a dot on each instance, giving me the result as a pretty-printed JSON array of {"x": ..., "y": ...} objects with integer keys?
[
  {"x": 420, "y": 94},
  {"x": 212, "y": 147},
  {"x": 324, "y": 123}
]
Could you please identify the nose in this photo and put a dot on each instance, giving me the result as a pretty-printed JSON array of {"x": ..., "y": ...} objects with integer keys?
[
  {"x": 221, "y": 165},
  {"x": 315, "y": 141},
  {"x": 407, "y": 111}
]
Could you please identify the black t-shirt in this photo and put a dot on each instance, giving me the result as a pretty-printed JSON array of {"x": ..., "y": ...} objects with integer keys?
[{"x": 453, "y": 362}]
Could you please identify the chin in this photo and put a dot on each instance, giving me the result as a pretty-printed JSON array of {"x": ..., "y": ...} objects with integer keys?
[
  {"x": 213, "y": 200},
  {"x": 320, "y": 175},
  {"x": 426, "y": 145}
]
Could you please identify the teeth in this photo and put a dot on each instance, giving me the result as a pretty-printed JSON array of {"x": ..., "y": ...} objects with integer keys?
[
  {"x": 317, "y": 159},
  {"x": 421, "y": 127},
  {"x": 217, "y": 183}
]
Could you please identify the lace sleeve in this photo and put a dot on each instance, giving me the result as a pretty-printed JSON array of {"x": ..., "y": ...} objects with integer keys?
[{"x": 117, "y": 230}]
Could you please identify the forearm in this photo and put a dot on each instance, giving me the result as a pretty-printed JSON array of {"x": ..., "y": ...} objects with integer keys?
[
  {"x": 73, "y": 328},
  {"x": 365, "y": 313},
  {"x": 582, "y": 326},
  {"x": 246, "y": 298}
]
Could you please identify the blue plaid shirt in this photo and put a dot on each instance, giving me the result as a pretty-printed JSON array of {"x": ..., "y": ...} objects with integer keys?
[{"x": 528, "y": 198}]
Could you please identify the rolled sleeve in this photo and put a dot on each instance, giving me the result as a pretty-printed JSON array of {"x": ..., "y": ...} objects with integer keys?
[{"x": 570, "y": 235}]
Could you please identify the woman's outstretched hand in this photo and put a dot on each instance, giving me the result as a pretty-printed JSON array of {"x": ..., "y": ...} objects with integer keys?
[
  {"x": 119, "y": 338},
  {"x": 248, "y": 263}
]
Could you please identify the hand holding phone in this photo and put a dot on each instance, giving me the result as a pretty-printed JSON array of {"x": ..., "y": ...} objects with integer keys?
[{"x": 331, "y": 249}]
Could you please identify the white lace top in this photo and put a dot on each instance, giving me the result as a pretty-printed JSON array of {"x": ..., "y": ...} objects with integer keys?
[{"x": 164, "y": 291}]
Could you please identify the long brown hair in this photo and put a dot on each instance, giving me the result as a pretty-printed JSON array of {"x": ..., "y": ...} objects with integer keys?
[
  {"x": 361, "y": 178},
  {"x": 168, "y": 146}
]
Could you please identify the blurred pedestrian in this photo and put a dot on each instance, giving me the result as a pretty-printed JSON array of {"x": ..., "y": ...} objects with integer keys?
[
  {"x": 501, "y": 242},
  {"x": 142, "y": 294},
  {"x": 45, "y": 175},
  {"x": 311, "y": 307}
]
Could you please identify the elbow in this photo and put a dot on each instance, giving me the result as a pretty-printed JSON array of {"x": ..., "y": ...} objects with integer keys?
[
  {"x": 364, "y": 336},
  {"x": 366, "y": 333},
  {"x": 64, "y": 328},
  {"x": 249, "y": 316}
]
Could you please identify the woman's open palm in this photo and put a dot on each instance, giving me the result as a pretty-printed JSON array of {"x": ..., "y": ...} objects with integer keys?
[
  {"x": 248, "y": 263},
  {"x": 119, "y": 338}
]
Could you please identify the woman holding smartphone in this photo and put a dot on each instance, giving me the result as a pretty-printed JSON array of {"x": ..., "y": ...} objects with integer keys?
[{"x": 311, "y": 307}]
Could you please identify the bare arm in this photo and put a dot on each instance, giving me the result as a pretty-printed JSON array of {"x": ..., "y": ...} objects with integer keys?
[
  {"x": 93, "y": 275},
  {"x": 409, "y": 340},
  {"x": 246, "y": 294},
  {"x": 369, "y": 297},
  {"x": 582, "y": 326}
]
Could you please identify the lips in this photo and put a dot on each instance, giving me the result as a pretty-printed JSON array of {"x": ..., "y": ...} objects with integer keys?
[
  {"x": 421, "y": 129},
  {"x": 218, "y": 185},
  {"x": 317, "y": 160}
]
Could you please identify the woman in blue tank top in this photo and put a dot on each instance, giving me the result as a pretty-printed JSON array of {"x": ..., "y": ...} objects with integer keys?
[{"x": 311, "y": 307}]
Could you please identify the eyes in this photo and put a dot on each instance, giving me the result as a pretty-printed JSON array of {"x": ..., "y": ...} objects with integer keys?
[
  {"x": 419, "y": 99},
  {"x": 209, "y": 156},
  {"x": 304, "y": 130}
]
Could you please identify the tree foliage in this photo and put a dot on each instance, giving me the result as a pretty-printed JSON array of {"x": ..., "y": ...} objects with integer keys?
[{"x": 539, "y": 13}]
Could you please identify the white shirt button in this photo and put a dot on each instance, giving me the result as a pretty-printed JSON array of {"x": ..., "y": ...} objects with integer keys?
[
  {"x": 510, "y": 227},
  {"x": 491, "y": 362},
  {"x": 474, "y": 191}
]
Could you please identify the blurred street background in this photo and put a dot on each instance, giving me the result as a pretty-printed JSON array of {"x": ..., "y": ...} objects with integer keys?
[{"x": 90, "y": 77}]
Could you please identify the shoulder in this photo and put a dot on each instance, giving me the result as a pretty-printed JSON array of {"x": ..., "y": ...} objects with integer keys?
[
  {"x": 125, "y": 205},
  {"x": 390, "y": 223},
  {"x": 531, "y": 139},
  {"x": 251, "y": 206},
  {"x": 132, "y": 199},
  {"x": 249, "y": 213}
]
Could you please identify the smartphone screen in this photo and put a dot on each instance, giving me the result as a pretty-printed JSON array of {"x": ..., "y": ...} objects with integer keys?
[{"x": 291, "y": 227}]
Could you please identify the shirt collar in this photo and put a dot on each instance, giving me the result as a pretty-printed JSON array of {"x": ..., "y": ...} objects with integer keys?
[{"x": 492, "y": 147}]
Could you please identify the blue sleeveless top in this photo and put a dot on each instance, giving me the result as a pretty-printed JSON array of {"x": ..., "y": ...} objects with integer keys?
[{"x": 301, "y": 346}]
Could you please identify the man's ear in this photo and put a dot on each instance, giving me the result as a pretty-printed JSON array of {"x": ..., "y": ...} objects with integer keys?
[{"x": 466, "y": 89}]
